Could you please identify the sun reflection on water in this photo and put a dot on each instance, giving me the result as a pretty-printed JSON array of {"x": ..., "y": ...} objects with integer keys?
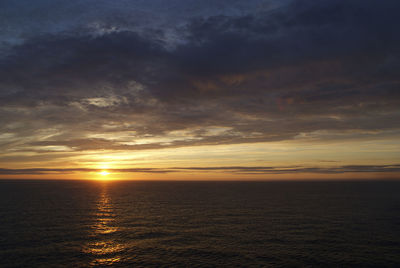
[{"x": 104, "y": 248}]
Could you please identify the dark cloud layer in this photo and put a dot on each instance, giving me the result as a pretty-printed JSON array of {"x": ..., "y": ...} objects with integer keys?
[{"x": 220, "y": 78}]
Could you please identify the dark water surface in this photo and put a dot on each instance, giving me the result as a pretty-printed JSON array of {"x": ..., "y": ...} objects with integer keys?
[{"x": 204, "y": 224}]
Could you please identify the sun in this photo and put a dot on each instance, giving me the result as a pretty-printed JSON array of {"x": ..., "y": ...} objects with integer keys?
[{"x": 104, "y": 173}]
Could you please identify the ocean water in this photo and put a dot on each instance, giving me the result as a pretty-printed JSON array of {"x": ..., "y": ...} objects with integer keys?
[{"x": 199, "y": 224}]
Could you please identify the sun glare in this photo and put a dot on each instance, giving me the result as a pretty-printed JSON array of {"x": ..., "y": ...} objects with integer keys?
[{"x": 104, "y": 173}]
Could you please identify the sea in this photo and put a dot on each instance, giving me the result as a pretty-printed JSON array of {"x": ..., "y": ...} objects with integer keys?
[{"x": 50, "y": 223}]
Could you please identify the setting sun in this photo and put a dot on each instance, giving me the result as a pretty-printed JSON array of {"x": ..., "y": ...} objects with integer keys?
[{"x": 104, "y": 173}]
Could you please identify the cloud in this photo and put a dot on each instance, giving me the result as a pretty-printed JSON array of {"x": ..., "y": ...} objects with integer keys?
[
  {"x": 228, "y": 169},
  {"x": 303, "y": 67}
]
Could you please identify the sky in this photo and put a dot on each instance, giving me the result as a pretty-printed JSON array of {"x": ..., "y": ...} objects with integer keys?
[{"x": 192, "y": 90}]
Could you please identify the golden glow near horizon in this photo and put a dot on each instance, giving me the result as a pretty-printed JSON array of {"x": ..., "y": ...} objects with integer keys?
[{"x": 152, "y": 164}]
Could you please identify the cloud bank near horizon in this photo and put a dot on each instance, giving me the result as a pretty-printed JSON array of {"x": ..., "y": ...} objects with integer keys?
[{"x": 241, "y": 170}]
